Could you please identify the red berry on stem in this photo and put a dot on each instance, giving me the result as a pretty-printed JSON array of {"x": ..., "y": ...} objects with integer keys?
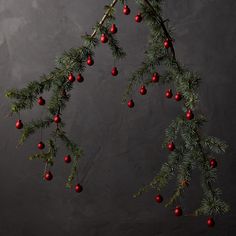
[
  {"x": 57, "y": 119},
  {"x": 213, "y": 163},
  {"x": 143, "y": 90},
  {"x": 71, "y": 78},
  {"x": 210, "y": 222},
  {"x": 178, "y": 96},
  {"x": 167, "y": 43},
  {"x": 114, "y": 71},
  {"x": 169, "y": 93},
  {"x": 178, "y": 211},
  {"x": 158, "y": 198},
  {"x": 41, "y": 145},
  {"x": 126, "y": 10},
  {"x": 138, "y": 18},
  {"x": 90, "y": 61},
  {"x": 19, "y": 124},
  {"x": 80, "y": 78},
  {"x": 78, "y": 188},
  {"x": 113, "y": 29},
  {"x": 131, "y": 103},
  {"x": 155, "y": 78},
  {"x": 41, "y": 101},
  {"x": 104, "y": 38},
  {"x": 170, "y": 146},
  {"x": 189, "y": 115},
  {"x": 48, "y": 176},
  {"x": 67, "y": 159}
]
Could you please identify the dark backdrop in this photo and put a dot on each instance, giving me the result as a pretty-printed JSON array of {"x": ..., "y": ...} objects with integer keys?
[{"x": 122, "y": 147}]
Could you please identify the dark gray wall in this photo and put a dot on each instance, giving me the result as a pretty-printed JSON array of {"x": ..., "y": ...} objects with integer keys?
[{"x": 122, "y": 147}]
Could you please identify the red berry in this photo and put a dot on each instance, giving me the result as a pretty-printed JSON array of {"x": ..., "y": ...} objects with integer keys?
[
  {"x": 104, "y": 38},
  {"x": 41, "y": 101},
  {"x": 189, "y": 115},
  {"x": 178, "y": 97},
  {"x": 155, "y": 78},
  {"x": 19, "y": 124},
  {"x": 213, "y": 163},
  {"x": 78, "y": 188},
  {"x": 90, "y": 61},
  {"x": 57, "y": 119},
  {"x": 67, "y": 159},
  {"x": 113, "y": 29},
  {"x": 138, "y": 18},
  {"x": 178, "y": 211},
  {"x": 167, "y": 43},
  {"x": 170, "y": 146},
  {"x": 158, "y": 198},
  {"x": 143, "y": 90},
  {"x": 126, "y": 10},
  {"x": 210, "y": 222},
  {"x": 114, "y": 71},
  {"x": 41, "y": 145},
  {"x": 48, "y": 176},
  {"x": 80, "y": 78},
  {"x": 131, "y": 103},
  {"x": 71, "y": 78},
  {"x": 169, "y": 93}
]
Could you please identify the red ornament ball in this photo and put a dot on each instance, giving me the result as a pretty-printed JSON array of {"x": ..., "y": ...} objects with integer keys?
[
  {"x": 41, "y": 101},
  {"x": 71, "y": 78},
  {"x": 80, "y": 78},
  {"x": 113, "y": 29},
  {"x": 67, "y": 159},
  {"x": 78, "y": 188},
  {"x": 90, "y": 61},
  {"x": 126, "y": 10},
  {"x": 158, "y": 198},
  {"x": 189, "y": 115},
  {"x": 57, "y": 119},
  {"x": 213, "y": 163},
  {"x": 167, "y": 43},
  {"x": 131, "y": 103},
  {"x": 48, "y": 175},
  {"x": 210, "y": 222},
  {"x": 19, "y": 124},
  {"x": 155, "y": 78},
  {"x": 178, "y": 211},
  {"x": 41, "y": 145},
  {"x": 114, "y": 71},
  {"x": 104, "y": 38},
  {"x": 178, "y": 96},
  {"x": 169, "y": 93},
  {"x": 170, "y": 146},
  {"x": 143, "y": 90},
  {"x": 138, "y": 18}
]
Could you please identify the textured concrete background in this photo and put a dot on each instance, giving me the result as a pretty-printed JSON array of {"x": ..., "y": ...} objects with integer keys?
[{"x": 123, "y": 147}]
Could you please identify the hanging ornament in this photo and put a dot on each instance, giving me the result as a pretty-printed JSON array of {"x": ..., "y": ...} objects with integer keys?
[
  {"x": 213, "y": 163},
  {"x": 57, "y": 119},
  {"x": 189, "y": 115},
  {"x": 41, "y": 145},
  {"x": 113, "y": 29},
  {"x": 90, "y": 61},
  {"x": 41, "y": 101},
  {"x": 19, "y": 124},
  {"x": 131, "y": 103},
  {"x": 71, "y": 78},
  {"x": 67, "y": 159},
  {"x": 155, "y": 78},
  {"x": 169, "y": 93},
  {"x": 178, "y": 96},
  {"x": 80, "y": 78},
  {"x": 158, "y": 198},
  {"x": 210, "y": 222},
  {"x": 170, "y": 146},
  {"x": 48, "y": 175},
  {"x": 178, "y": 211},
  {"x": 114, "y": 71},
  {"x": 126, "y": 10},
  {"x": 104, "y": 38},
  {"x": 143, "y": 90},
  {"x": 138, "y": 18},
  {"x": 167, "y": 43},
  {"x": 78, "y": 188}
]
